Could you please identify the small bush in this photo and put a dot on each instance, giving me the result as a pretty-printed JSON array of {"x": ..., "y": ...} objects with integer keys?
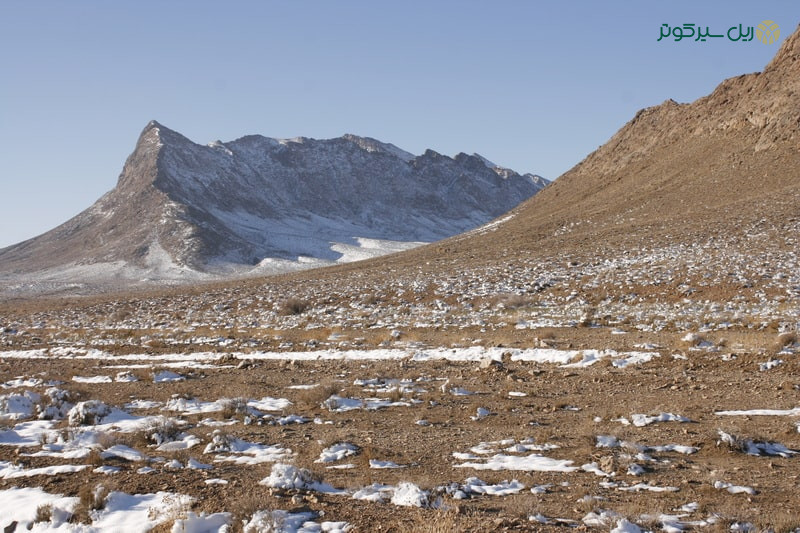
[
  {"x": 163, "y": 429},
  {"x": 244, "y": 507},
  {"x": 293, "y": 306},
  {"x": 313, "y": 398},
  {"x": 175, "y": 507},
  {"x": 784, "y": 340},
  {"x": 220, "y": 442},
  {"x": 95, "y": 458},
  {"x": 44, "y": 513},
  {"x": 395, "y": 394},
  {"x": 90, "y": 499},
  {"x": 233, "y": 406}
]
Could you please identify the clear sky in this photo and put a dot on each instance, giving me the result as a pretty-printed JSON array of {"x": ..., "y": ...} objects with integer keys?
[{"x": 531, "y": 85}]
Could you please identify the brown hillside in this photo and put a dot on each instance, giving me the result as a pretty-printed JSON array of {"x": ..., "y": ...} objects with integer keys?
[{"x": 674, "y": 173}]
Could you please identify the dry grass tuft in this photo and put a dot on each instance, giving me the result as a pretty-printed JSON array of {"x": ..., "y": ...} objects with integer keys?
[
  {"x": 233, "y": 406},
  {"x": 293, "y": 306},
  {"x": 94, "y": 458},
  {"x": 784, "y": 340},
  {"x": 90, "y": 499},
  {"x": 313, "y": 398},
  {"x": 44, "y": 513},
  {"x": 245, "y": 507}
]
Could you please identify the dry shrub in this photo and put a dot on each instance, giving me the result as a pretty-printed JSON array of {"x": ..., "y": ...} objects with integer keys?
[
  {"x": 162, "y": 429},
  {"x": 44, "y": 513},
  {"x": 690, "y": 340},
  {"x": 233, "y": 406},
  {"x": 367, "y": 452},
  {"x": 182, "y": 456},
  {"x": 312, "y": 398},
  {"x": 293, "y": 306},
  {"x": 90, "y": 499},
  {"x": 244, "y": 507},
  {"x": 780, "y": 521},
  {"x": 176, "y": 507},
  {"x": 167, "y": 428},
  {"x": 784, "y": 340},
  {"x": 157, "y": 344},
  {"x": 395, "y": 394},
  {"x": 94, "y": 458}
]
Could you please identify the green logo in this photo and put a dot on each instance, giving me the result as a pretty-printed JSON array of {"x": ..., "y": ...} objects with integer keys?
[{"x": 768, "y": 32}]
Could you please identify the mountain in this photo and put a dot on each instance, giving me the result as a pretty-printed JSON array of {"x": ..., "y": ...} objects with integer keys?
[{"x": 181, "y": 210}]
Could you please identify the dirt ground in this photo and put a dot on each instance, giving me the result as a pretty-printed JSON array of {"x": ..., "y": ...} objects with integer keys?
[{"x": 567, "y": 407}]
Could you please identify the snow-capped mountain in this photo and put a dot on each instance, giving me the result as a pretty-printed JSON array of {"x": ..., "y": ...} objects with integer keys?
[{"x": 181, "y": 210}]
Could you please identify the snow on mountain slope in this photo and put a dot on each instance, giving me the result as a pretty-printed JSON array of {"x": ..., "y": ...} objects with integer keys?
[{"x": 183, "y": 211}]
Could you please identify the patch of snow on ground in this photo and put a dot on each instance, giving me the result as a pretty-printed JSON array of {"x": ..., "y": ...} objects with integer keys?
[
  {"x": 339, "y": 404},
  {"x": 769, "y": 365},
  {"x": 474, "y": 485},
  {"x": 281, "y": 521},
  {"x": 473, "y": 353},
  {"x": 26, "y": 433},
  {"x": 123, "y": 452},
  {"x": 202, "y": 523},
  {"x": 184, "y": 442},
  {"x": 409, "y": 495},
  {"x": 284, "y": 476},
  {"x": 138, "y": 512},
  {"x": 751, "y": 447},
  {"x": 609, "y": 441},
  {"x": 623, "y": 526},
  {"x": 646, "y": 486},
  {"x": 18, "y": 406},
  {"x": 189, "y": 407},
  {"x": 377, "y": 464},
  {"x": 761, "y": 412},
  {"x": 243, "y": 452},
  {"x": 528, "y": 463},
  {"x": 92, "y": 379},
  {"x": 167, "y": 376},
  {"x": 10, "y": 471},
  {"x": 734, "y": 489},
  {"x": 20, "y": 505},
  {"x": 337, "y": 452},
  {"x": 21, "y": 381},
  {"x": 640, "y": 420}
]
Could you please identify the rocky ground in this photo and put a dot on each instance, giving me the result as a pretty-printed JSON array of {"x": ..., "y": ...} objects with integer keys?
[{"x": 616, "y": 394}]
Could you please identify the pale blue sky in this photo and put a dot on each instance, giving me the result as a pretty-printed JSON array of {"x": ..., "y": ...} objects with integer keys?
[{"x": 534, "y": 86}]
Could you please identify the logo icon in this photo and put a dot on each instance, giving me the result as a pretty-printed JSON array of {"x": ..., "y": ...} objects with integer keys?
[{"x": 768, "y": 32}]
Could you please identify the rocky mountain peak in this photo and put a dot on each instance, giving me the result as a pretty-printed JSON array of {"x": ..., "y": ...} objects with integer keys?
[{"x": 260, "y": 205}]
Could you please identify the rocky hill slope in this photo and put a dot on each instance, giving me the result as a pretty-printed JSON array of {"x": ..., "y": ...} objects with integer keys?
[{"x": 722, "y": 172}]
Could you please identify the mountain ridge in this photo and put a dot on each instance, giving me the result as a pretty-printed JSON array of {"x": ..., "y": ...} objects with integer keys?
[{"x": 186, "y": 210}]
